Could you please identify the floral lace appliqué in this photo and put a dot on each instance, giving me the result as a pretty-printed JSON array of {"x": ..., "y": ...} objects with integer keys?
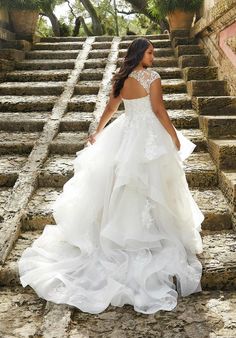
[
  {"x": 151, "y": 146},
  {"x": 147, "y": 219},
  {"x": 145, "y": 77}
]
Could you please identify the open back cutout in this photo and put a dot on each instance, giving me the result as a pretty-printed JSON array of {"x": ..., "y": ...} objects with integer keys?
[{"x": 137, "y": 85}]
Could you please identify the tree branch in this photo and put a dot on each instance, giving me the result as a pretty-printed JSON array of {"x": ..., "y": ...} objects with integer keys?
[
  {"x": 127, "y": 13},
  {"x": 71, "y": 8}
]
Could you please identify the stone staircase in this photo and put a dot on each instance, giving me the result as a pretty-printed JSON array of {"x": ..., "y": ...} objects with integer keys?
[{"x": 48, "y": 103}]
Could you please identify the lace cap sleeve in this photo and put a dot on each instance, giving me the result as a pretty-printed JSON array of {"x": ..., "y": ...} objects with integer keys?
[{"x": 154, "y": 76}]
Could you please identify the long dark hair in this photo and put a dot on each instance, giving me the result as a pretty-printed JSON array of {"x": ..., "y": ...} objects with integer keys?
[{"x": 134, "y": 55}]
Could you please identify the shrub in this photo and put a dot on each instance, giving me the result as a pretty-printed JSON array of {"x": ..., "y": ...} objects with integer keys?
[{"x": 161, "y": 8}]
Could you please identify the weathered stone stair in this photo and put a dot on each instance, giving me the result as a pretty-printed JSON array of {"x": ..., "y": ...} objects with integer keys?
[
  {"x": 217, "y": 114},
  {"x": 47, "y": 106}
]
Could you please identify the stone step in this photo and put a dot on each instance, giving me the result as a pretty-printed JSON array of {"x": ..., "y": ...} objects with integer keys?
[
  {"x": 32, "y": 88},
  {"x": 58, "y": 46},
  {"x": 6, "y": 66},
  {"x": 76, "y": 121},
  {"x": 17, "y": 44},
  {"x": 87, "y": 87},
  {"x": 34, "y": 121},
  {"x": 22, "y": 312},
  {"x": 199, "y": 73},
  {"x": 101, "y": 45},
  {"x": 223, "y": 152},
  {"x": 163, "y": 52},
  {"x": 184, "y": 118},
  {"x": 92, "y": 74},
  {"x": 158, "y": 62},
  {"x": 95, "y": 63},
  {"x": 62, "y": 39},
  {"x": 163, "y": 43},
  {"x": 12, "y": 54},
  {"x": 218, "y": 126},
  {"x": 38, "y": 75},
  {"x": 173, "y": 86},
  {"x": 173, "y": 101},
  {"x": 22, "y": 121},
  {"x": 98, "y": 54},
  {"x": 193, "y": 61},
  {"x": 49, "y": 54},
  {"x": 165, "y": 62},
  {"x": 158, "y": 52},
  {"x": 183, "y": 41},
  {"x": 211, "y": 202},
  {"x": 169, "y": 72},
  {"x": 188, "y": 50},
  {"x": 9, "y": 168},
  {"x": 5, "y": 194},
  {"x": 215, "y": 208},
  {"x": 203, "y": 310},
  {"x": 26, "y": 103},
  {"x": 215, "y": 105},
  {"x": 45, "y": 64},
  {"x": 207, "y": 88},
  {"x": 17, "y": 143},
  {"x": 82, "y": 103},
  {"x": 197, "y": 137},
  {"x": 200, "y": 170},
  {"x": 148, "y": 36},
  {"x": 218, "y": 260},
  {"x": 57, "y": 170},
  {"x": 69, "y": 142},
  {"x": 227, "y": 183}
]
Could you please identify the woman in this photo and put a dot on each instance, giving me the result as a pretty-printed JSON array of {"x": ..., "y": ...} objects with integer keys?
[{"x": 127, "y": 224}]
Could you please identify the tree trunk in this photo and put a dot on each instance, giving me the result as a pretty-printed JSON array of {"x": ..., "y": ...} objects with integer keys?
[
  {"x": 97, "y": 27},
  {"x": 54, "y": 21},
  {"x": 78, "y": 22}
]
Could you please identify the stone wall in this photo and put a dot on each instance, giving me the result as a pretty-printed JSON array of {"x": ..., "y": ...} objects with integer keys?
[
  {"x": 5, "y": 27},
  {"x": 4, "y": 18},
  {"x": 216, "y": 31}
]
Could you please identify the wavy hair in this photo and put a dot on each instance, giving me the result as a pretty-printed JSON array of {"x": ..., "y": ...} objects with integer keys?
[{"x": 134, "y": 55}]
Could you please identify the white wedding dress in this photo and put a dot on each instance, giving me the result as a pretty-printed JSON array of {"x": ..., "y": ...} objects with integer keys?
[{"x": 126, "y": 222}]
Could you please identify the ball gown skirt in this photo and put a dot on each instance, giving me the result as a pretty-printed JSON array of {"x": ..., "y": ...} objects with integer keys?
[{"x": 126, "y": 223}]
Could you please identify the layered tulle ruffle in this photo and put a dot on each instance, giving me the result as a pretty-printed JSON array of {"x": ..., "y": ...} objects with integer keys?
[{"x": 126, "y": 224}]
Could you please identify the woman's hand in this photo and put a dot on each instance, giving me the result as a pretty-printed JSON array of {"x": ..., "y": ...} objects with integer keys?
[
  {"x": 92, "y": 137},
  {"x": 176, "y": 142}
]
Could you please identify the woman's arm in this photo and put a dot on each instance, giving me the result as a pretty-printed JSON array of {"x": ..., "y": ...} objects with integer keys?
[
  {"x": 111, "y": 107},
  {"x": 158, "y": 108}
]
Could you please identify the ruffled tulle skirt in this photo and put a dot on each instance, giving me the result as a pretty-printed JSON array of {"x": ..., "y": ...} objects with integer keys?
[{"x": 126, "y": 223}]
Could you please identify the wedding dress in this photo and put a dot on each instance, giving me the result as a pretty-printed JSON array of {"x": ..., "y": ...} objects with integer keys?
[{"x": 126, "y": 222}]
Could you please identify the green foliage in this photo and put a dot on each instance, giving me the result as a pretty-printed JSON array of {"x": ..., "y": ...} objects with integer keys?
[
  {"x": 43, "y": 29},
  {"x": 65, "y": 29},
  {"x": 28, "y": 4},
  {"x": 161, "y": 8}
]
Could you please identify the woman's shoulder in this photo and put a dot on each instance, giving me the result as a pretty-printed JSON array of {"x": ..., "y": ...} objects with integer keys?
[{"x": 154, "y": 74}]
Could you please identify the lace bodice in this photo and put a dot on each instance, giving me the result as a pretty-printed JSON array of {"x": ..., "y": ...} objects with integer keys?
[{"x": 145, "y": 77}]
